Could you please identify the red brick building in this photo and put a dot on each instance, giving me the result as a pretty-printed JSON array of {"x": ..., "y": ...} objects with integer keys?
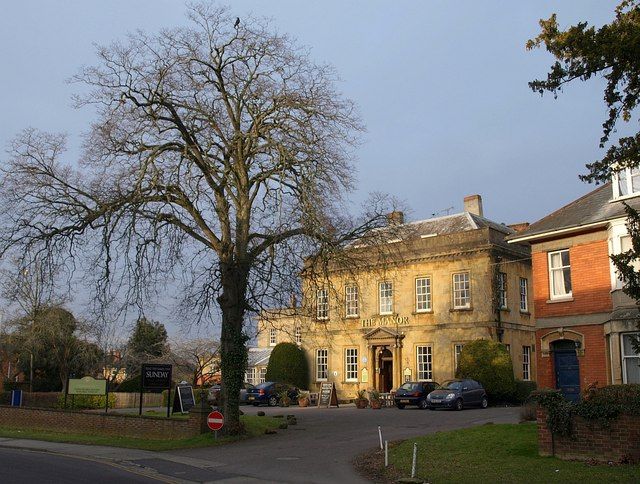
[{"x": 584, "y": 322}]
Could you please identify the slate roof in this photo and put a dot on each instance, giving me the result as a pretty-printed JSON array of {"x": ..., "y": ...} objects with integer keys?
[
  {"x": 258, "y": 356},
  {"x": 448, "y": 224},
  {"x": 595, "y": 207}
]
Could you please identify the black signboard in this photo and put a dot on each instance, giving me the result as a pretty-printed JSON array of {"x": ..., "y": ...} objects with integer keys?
[
  {"x": 156, "y": 376},
  {"x": 183, "y": 399},
  {"x": 328, "y": 396}
]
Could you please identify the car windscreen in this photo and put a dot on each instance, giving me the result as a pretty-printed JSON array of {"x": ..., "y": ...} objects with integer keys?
[
  {"x": 266, "y": 384},
  {"x": 451, "y": 385},
  {"x": 410, "y": 387}
]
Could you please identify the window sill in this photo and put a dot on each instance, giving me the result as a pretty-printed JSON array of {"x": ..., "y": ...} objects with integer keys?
[
  {"x": 355, "y": 316},
  {"x": 455, "y": 310},
  {"x": 415, "y": 313},
  {"x": 560, "y": 300},
  {"x": 505, "y": 310},
  {"x": 525, "y": 313}
]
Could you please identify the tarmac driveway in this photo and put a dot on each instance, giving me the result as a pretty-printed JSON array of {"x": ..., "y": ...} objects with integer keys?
[{"x": 321, "y": 447}]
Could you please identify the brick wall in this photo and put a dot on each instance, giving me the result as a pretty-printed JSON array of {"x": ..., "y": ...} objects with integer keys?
[
  {"x": 593, "y": 364},
  {"x": 590, "y": 280},
  {"x": 95, "y": 423},
  {"x": 619, "y": 443}
]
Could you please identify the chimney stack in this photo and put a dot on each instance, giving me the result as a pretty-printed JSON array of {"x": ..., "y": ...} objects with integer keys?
[
  {"x": 473, "y": 204},
  {"x": 395, "y": 218}
]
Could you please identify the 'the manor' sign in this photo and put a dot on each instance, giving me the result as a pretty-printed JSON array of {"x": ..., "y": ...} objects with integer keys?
[{"x": 392, "y": 320}]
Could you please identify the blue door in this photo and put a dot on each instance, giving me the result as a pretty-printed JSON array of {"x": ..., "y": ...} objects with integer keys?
[{"x": 567, "y": 370}]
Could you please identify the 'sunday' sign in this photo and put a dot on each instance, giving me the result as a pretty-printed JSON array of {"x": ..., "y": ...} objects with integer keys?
[
  {"x": 87, "y": 386},
  {"x": 156, "y": 376}
]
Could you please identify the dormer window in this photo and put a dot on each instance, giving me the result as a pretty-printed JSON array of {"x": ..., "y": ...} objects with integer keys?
[{"x": 626, "y": 182}]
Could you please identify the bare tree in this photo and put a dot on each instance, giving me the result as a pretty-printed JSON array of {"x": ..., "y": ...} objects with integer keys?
[
  {"x": 197, "y": 359},
  {"x": 220, "y": 157}
]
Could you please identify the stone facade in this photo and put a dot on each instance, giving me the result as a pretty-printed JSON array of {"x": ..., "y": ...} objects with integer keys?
[{"x": 401, "y": 331}]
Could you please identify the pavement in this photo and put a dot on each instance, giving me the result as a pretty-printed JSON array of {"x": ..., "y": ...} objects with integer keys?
[{"x": 319, "y": 449}]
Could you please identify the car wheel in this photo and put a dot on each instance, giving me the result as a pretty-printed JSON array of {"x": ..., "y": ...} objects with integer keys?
[
  {"x": 484, "y": 403},
  {"x": 400, "y": 405},
  {"x": 423, "y": 404},
  {"x": 459, "y": 405},
  {"x": 273, "y": 401}
]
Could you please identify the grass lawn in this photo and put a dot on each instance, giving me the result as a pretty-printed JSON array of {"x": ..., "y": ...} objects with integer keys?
[
  {"x": 496, "y": 453},
  {"x": 254, "y": 425}
]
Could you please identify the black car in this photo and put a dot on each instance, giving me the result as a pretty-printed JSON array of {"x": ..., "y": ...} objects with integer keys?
[
  {"x": 457, "y": 394},
  {"x": 270, "y": 393},
  {"x": 414, "y": 393}
]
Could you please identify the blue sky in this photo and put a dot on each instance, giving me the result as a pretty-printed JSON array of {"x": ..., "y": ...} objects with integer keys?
[{"x": 441, "y": 87}]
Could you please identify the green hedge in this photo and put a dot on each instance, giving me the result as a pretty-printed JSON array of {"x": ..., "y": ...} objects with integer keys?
[
  {"x": 488, "y": 362},
  {"x": 86, "y": 401},
  {"x": 288, "y": 364},
  {"x": 523, "y": 390}
]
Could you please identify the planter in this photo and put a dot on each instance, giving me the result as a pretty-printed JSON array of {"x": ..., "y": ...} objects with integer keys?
[
  {"x": 285, "y": 402},
  {"x": 361, "y": 402},
  {"x": 375, "y": 404},
  {"x": 303, "y": 402}
]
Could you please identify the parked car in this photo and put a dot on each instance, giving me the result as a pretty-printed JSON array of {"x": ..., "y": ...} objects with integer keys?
[
  {"x": 269, "y": 393},
  {"x": 457, "y": 394},
  {"x": 414, "y": 393},
  {"x": 214, "y": 393}
]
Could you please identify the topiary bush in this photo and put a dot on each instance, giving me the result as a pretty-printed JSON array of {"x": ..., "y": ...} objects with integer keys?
[
  {"x": 488, "y": 362},
  {"x": 288, "y": 364}
]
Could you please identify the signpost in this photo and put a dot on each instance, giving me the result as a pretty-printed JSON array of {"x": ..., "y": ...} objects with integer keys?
[
  {"x": 87, "y": 386},
  {"x": 328, "y": 396},
  {"x": 215, "y": 421},
  {"x": 183, "y": 398},
  {"x": 156, "y": 377}
]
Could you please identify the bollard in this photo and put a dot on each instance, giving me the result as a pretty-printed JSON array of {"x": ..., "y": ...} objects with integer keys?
[
  {"x": 386, "y": 453},
  {"x": 380, "y": 435},
  {"x": 415, "y": 455}
]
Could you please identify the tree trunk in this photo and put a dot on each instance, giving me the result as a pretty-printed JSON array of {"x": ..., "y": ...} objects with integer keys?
[{"x": 232, "y": 341}]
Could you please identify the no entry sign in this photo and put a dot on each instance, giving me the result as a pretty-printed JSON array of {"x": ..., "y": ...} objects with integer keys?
[{"x": 215, "y": 420}]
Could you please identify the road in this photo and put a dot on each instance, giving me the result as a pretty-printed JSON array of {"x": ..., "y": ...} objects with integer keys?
[{"x": 319, "y": 449}]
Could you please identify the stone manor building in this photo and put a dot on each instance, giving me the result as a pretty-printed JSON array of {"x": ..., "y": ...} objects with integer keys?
[{"x": 451, "y": 280}]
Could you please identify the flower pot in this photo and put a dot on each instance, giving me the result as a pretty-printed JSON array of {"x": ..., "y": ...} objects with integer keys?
[
  {"x": 375, "y": 404},
  {"x": 303, "y": 402},
  {"x": 361, "y": 402}
]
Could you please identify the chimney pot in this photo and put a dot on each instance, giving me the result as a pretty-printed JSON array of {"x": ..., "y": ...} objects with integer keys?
[{"x": 473, "y": 204}]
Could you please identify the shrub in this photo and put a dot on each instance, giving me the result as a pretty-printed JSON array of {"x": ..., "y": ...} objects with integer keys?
[
  {"x": 86, "y": 401},
  {"x": 489, "y": 363},
  {"x": 131, "y": 384},
  {"x": 523, "y": 391},
  {"x": 288, "y": 364},
  {"x": 5, "y": 398}
]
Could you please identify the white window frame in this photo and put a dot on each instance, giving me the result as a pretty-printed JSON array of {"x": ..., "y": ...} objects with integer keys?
[
  {"x": 457, "y": 349},
  {"x": 273, "y": 336},
  {"x": 526, "y": 363},
  {"x": 250, "y": 375},
  {"x": 351, "y": 364},
  {"x": 351, "y": 301},
  {"x": 502, "y": 290},
  {"x": 423, "y": 294},
  {"x": 524, "y": 295},
  {"x": 461, "y": 294},
  {"x": 262, "y": 375},
  {"x": 561, "y": 269},
  {"x": 624, "y": 357},
  {"x": 322, "y": 364},
  {"x": 298, "y": 334},
  {"x": 385, "y": 297},
  {"x": 627, "y": 181},
  {"x": 322, "y": 304},
  {"x": 424, "y": 362}
]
